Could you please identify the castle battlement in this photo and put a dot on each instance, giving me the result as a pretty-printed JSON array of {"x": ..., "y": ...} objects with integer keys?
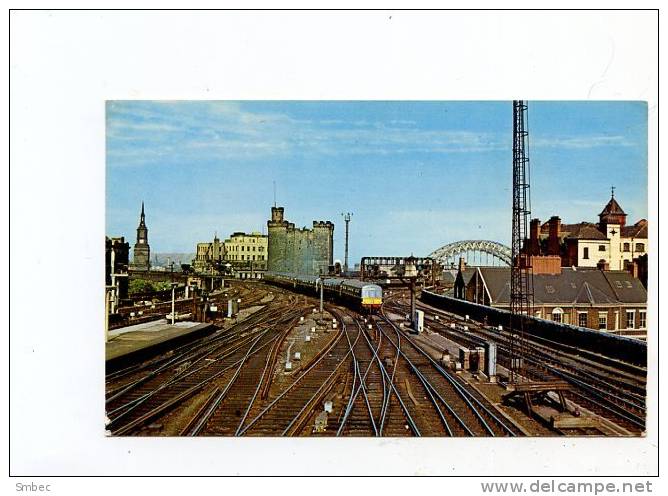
[{"x": 296, "y": 249}]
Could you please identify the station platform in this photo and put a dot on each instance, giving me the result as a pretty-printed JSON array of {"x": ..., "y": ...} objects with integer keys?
[{"x": 132, "y": 344}]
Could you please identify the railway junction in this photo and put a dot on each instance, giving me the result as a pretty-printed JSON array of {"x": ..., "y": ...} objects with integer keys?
[{"x": 277, "y": 363}]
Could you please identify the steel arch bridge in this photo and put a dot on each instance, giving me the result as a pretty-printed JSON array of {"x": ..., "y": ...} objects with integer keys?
[{"x": 472, "y": 251}]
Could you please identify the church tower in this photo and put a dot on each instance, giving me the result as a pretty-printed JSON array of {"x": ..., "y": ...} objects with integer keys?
[
  {"x": 142, "y": 251},
  {"x": 611, "y": 222}
]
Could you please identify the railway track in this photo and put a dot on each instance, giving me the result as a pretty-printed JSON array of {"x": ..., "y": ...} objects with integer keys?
[
  {"x": 375, "y": 406},
  {"x": 193, "y": 371},
  {"x": 461, "y": 410},
  {"x": 617, "y": 397},
  {"x": 288, "y": 414}
]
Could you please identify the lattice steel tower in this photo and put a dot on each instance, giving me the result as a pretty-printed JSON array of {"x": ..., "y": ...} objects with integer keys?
[{"x": 521, "y": 275}]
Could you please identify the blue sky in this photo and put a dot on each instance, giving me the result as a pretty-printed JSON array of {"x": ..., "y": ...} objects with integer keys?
[{"x": 416, "y": 175}]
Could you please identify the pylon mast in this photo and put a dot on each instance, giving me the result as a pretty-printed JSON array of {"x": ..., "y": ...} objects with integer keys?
[{"x": 521, "y": 275}]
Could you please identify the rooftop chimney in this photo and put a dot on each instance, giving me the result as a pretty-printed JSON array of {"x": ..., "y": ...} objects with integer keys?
[
  {"x": 602, "y": 265},
  {"x": 553, "y": 244},
  {"x": 534, "y": 247}
]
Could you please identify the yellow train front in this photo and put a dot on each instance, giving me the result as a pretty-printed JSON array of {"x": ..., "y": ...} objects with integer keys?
[{"x": 366, "y": 296}]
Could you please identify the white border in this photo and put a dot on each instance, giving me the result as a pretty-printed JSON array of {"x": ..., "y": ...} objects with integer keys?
[{"x": 66, "y": 64}]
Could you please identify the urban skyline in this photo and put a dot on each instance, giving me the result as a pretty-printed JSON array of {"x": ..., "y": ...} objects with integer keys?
[{"x": 417, "y": 175}]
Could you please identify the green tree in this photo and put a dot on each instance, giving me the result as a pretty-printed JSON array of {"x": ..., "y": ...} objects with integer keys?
[{"x": 140, "y": 286}]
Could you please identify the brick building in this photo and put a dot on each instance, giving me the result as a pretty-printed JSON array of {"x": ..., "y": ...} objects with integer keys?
[
  {"x": 609, "y": 243},
  {"x": 610, "y": 300},
  {"x": 299, "y": 251}
]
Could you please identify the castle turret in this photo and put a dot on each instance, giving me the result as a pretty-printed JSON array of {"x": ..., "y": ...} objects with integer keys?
[
  {"x": 277, "y": 214},
  {"x": 297, "y": 250},
  {"x": 277, "y": 241}
]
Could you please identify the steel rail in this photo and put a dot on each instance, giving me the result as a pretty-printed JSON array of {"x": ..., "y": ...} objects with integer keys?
[
  {"x": 268, "y": 361},
  {"x": 463, "y": 393},
  {"x": 431, "y": 389},
  {"x": 256, "y": 319},
  {"x": 297, "y": 381},
  {"x": 183, "y": 374},
  {"x": 200, "y": 352},
  {"x": 362, "y": 379},
  {"x": 185, "y": 394},
  {"x": 407, "y": 414},
  {"x": 605, "y": 396},
  {"x": 140, "y": 399}
]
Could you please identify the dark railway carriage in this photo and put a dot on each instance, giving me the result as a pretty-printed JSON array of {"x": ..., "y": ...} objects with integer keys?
[{"x": 362, "y": 296}]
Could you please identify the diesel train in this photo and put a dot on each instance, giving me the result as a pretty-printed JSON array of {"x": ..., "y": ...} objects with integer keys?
[{"x": 362, "y": 296}]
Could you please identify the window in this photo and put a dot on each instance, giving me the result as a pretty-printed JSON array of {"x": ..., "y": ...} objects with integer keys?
[
  {"x": 640, "y": 247},
  {"x": 557, "y": 315},
  {"x": 642, "y": 319},
  {"x": 585, "y": 253},
  {"x": 601, "y": 247},
  {"x": 630, "y": 319},
  {"x": 603, "y": 320},
  {"x": 627, "y": 247},
  {"x": 582, "y": 319}
]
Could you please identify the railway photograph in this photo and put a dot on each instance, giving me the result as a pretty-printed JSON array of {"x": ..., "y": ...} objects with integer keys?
[{"x": 370, "y": 269}]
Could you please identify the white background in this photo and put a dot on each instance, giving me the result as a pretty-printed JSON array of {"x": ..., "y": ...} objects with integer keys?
[{"x": 64, "y": 65}]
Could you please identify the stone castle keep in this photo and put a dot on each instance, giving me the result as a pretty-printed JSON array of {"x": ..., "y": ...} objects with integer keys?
[{"x": 299, "y": 251}]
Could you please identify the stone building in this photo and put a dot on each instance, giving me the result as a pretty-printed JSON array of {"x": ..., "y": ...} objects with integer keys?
[
  {"x": 606, "y": 300},
  {"x": 299, "y": 251},
  {"x": 247, "y": 254},
  {"x": 141, "y": 260},
  {"x": 610, "y": 242},
  {"x": 209, "y": 257}
]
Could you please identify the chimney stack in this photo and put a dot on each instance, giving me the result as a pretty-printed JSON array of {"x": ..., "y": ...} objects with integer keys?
[
  {"x": 602, "y": 265},
  {"x": 534, "y": 247},
  {"x": 553, "y": 245}
]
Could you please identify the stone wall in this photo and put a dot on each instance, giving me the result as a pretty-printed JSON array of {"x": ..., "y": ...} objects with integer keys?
[{"x": 300, "y": 251}]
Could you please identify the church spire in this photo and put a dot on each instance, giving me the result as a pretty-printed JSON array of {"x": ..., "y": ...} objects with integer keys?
[{"x": 142, "y": 251}]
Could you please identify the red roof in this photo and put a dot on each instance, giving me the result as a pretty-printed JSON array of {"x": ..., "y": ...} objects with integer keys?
[{"x": 612, "y": 208}]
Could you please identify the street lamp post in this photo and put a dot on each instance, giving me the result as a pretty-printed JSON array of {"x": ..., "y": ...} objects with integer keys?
[{"x": 173, "y": 301}]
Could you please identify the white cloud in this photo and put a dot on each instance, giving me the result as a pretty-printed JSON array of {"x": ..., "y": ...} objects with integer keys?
[{"x": 577, "y": 142}]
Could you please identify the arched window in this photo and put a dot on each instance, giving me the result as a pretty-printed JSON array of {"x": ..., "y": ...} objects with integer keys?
[{"x": 557, "y": 315}]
